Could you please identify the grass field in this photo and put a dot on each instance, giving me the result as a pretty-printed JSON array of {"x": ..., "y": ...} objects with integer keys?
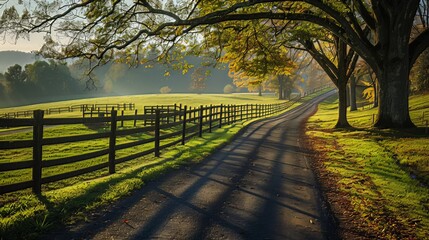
[
  {"x": 382, "y": 174},
  {"x": 25, "y": 215},
  {"x": 78, "y": 148},
  {"x": 193, "y": 100}
]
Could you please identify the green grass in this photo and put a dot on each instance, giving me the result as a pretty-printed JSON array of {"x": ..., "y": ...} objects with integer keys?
[
  {"x": 25, "y": 215},
  {"x": 382, "y": 172},
  {"x": 193, "y": 100}
]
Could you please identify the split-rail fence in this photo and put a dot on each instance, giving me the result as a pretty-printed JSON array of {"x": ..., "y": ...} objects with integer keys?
[{"x": 187, "y": 122}]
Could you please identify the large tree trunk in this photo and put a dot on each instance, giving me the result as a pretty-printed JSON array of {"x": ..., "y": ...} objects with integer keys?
[
  {"x": 287, "y": 92},
  {"x": 353, "y": 105},
  {"x": 393, "y": 78},
  {"x": 342, "y": 106},
  {"x": 393, "y": 92},
  {"x": 342, "y": 85},
  {"x": 281, "y": 87},
  {"x": 391, "y": 62}
]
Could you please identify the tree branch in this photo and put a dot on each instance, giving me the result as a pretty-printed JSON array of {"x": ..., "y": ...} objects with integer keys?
[{"x": 418, "y": 45}]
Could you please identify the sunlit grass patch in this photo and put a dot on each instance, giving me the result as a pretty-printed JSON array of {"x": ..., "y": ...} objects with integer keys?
[{"x": 382, "y": 172}]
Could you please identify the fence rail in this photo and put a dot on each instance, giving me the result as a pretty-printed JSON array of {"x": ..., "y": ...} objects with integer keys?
[
  {"x": 73, "y": 108},
  {"x": 182, "y": 123}
]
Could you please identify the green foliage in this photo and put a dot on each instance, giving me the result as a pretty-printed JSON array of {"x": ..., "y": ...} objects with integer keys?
[
  {"x": 15, "y": 75},
  {"x": 199, "y": 77},
  {"x": 39, "y": 80}
]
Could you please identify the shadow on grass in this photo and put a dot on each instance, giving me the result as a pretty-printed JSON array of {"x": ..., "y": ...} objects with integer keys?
[{"x": 55, "y": 213}]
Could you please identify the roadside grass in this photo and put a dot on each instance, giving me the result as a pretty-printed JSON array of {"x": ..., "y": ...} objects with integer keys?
[
  {"x": 24, "y": 215},
  {"x": 384, "y": 174}
]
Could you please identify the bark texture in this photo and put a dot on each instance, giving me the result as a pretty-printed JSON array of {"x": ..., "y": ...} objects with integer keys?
[{"x": 353, "y": 105}]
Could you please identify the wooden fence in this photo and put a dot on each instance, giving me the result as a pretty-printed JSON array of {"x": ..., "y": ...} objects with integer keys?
[
  {"x": 186, "y": 122},
  {"x": 81, "y": 107}
]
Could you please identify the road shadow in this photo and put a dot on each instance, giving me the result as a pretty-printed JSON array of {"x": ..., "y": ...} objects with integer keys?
[{"x": 252, "y": 167}]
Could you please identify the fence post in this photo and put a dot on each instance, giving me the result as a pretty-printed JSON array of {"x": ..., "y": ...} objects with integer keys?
[
  {"x": 235, "y": 113},
  {"x": 145, "y": 116},
  {"x": 157, "y": 131},
  {"x": 122, "y": 121},
  {"x": 37, "y": 150},
  {"x": 135, "y": 119},
  {"x": 168, "y": 114},
  {"x": 220, "y": 115},
  {"x": 112, "y": 141},
  {"x": 174, "y": 110},
  {"x": 210, "y": 117},
  {"x": 200, "y": 121},
  {"x": 229, "y": 114},
  {"x": 258, "y": 110},
  {"x": 225, "y": 114},
  {"x": 184, "y": 125}
]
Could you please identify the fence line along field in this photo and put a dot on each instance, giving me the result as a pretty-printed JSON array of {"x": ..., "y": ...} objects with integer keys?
[
  {"x": 63, "y": 148},
  {"x": 193, "y": 100},
  {"x": 110, "y": 145}
]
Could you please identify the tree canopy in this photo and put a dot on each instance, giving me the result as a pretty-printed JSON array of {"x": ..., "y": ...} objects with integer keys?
[{"x": 380, "y": 31}]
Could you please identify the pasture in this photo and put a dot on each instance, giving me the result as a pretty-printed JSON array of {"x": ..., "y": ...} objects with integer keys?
[
  {"x": 193, "y": 100},
  {"x": 72, "y": 199}
]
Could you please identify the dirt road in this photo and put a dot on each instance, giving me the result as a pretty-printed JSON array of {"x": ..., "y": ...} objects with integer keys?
[{"x": 258, "y": 187}]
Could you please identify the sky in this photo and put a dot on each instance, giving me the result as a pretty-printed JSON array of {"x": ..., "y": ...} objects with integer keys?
[{"x": 24, "y": 45}]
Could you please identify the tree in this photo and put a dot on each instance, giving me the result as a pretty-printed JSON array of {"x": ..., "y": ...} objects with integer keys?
[
  {"x": 53, "y": 78},
  {"x": 339, "y": 70},
  {"x": 241, "y": 80},
  {"x": 198, "y": 79},
  {"x": 2, "y": 86},
  {"x": 254, "y": 56},
  {"x": 16, "y": 77},
  {"x": 165, "y": 90},
  {"x": 352, "y": 90},
  {"x": 228, "y": 89},
  {"x": 108, "y": 27}
]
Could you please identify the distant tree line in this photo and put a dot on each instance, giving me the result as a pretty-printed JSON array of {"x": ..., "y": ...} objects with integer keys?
[{"x": 41, "y": 80}]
